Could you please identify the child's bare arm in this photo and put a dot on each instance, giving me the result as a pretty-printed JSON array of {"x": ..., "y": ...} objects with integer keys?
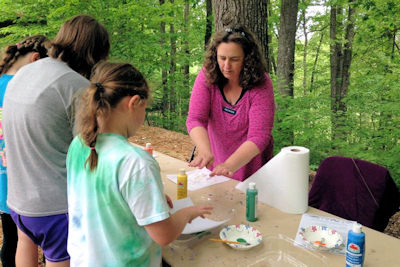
[{"x": 166, "y": 231}]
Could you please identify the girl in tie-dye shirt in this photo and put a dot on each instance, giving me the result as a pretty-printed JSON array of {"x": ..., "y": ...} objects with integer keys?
[{"x": 118, "y": 213}]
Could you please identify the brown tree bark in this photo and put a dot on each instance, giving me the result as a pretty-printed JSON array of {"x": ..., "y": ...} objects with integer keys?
[
  {"x": 164, "y": 73},
  {"x": 340, "y": 58},
  {"x": 172, "y": 67},
  {"x": 305, "y": 33},
  {"x": 271, "y": 63},
  {"x": 286, "y": 46},
  {"x": 186, "y": 45},
  {"x": 208, "y": 33},
  {"x": 316, "y": 60},
  {"x": 285, "y": 63},
  {"x": 251, "y": 13}
]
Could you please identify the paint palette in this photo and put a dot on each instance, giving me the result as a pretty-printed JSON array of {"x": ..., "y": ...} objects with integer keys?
[
  {"x": 248, "y": 235},
  {"x": 321, "y": 237}
]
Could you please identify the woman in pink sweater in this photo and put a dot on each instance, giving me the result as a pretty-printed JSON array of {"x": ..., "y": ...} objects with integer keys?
[{"x": 231, "y": 110}]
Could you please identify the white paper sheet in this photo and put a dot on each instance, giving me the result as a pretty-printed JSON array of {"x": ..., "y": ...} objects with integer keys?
[
  {"x": 197, "y": 225},
  {"x": 342, "y": 226},
  {"x": 283, "y": 181},
  {"x": 200, "y": 178}
]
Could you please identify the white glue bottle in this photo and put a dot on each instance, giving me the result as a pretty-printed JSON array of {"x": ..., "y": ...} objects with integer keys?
[{"x": 355, "y": 248}]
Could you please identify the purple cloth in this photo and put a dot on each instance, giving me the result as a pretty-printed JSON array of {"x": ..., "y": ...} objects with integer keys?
[
  {"x": 229, "y": 126},
  {"x": 339, "y": 189},
  {"x": 48, "y": 232}
]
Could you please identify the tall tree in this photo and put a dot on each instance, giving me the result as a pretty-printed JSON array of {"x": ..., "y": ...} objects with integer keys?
[
  {"x": 305, "y": 34},
  {"x": 186, "y": 45},
  {"x": 172, "y": 66},
  {"x": 285, "y": 65},
  {"x": 341, "y": 35},
  {"x": 251, "y": 13},
  {"x": 164, "y": 72},
  {"x": 286, "y": 46},
  {"x": 207, "y": 35}
]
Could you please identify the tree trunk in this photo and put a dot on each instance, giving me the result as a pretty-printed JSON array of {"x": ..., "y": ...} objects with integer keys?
[
  {"x": 186, "y": 45},
  {"x": 172, "y": 70},
  {"x": 285, "y": 64},
  {"x": 251, "y": 13},
  {"x": 316, "y": 61},
  {"x": 341, "y": 56},
  {"x": 185, "y": 93},
  {"x": 271, "y": 64},
  {"x": 305, "y": 33},
  {"x": 286, "y": 46},
  {"x": 208, "y": 33},
  {"x": 164, "y": 105}
]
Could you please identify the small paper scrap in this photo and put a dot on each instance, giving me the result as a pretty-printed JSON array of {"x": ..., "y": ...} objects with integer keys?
[
  {"x": 198, "y": 224},
  {"x": 200, "y": 178}
]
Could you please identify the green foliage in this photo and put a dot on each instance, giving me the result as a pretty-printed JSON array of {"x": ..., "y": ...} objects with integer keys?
[{"x": 372, "y": 116}]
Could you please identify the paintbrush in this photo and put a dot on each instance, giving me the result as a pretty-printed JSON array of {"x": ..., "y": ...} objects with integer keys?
[{"x": 229, "y": 241}]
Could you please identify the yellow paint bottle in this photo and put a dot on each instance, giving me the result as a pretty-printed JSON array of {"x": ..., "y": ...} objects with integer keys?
[{"x": 181, "y": 184}]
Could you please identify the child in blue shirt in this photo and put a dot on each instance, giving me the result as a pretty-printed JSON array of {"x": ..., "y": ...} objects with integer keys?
[{"x": 14, "y": 57}]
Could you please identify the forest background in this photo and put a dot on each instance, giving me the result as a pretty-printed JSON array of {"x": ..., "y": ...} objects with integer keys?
[{"x": 338, "y": 95}]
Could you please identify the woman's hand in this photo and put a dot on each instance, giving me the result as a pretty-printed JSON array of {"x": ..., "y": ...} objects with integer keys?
[
  {"x": 222, "y": 169},
  {"x": 203, "y": 159}
]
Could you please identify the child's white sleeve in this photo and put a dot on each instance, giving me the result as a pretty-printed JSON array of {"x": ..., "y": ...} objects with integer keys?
[{"x": 142, "y": 189}]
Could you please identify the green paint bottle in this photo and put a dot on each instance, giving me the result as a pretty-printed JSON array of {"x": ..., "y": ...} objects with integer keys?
[{"x": 251, "y": 202}]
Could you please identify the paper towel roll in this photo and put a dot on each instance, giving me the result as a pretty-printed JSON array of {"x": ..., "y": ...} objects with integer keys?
[{"x": 283, "y": 181}]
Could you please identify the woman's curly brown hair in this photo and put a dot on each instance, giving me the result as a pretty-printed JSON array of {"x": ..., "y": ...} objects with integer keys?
[{"x": 253, "y": 71}]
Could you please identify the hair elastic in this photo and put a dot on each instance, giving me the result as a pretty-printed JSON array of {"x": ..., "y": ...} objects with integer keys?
[
  {"x": 92, "y": 148},
  {"x": 99, "y": 87}
]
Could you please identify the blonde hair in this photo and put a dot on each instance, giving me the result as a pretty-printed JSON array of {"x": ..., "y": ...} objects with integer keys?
[{"x": 110, "y": 82}]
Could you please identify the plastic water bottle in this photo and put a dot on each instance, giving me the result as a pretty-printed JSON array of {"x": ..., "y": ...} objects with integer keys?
[
  {"x": 355, "y": 249},
  {"x": 251, "y": 202}
]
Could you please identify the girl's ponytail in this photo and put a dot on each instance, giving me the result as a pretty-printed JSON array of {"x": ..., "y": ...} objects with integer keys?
[
  {"x": 110, "y": 82},
  {"x": 36, "y": 43},
  {"x": 8, "y": 58}
]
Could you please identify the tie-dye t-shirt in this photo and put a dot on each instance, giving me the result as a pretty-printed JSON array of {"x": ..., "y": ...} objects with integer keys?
[
  {"x": 4, "y": 79},
  {"x": 109, "y": 206}
]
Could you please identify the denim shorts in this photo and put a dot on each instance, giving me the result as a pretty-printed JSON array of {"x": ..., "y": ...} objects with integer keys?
[{"x": 48, "y": 232}]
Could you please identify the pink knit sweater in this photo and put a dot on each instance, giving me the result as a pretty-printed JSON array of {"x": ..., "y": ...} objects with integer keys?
[{"x": 228, "y": 126}]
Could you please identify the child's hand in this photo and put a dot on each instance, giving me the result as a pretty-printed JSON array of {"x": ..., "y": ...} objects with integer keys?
[
  {"x": 169, "y": 201},
  {"x": 198, "y": 210}
]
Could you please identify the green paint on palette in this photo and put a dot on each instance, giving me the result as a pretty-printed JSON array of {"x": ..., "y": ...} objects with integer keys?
[{"x": 241, "y": 240}]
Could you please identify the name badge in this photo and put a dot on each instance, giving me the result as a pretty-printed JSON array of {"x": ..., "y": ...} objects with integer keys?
[{"x": 229, "y": 110}]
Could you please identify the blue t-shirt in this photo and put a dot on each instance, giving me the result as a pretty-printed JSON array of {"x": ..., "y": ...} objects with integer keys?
[{"x": 4, "y": 79}]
